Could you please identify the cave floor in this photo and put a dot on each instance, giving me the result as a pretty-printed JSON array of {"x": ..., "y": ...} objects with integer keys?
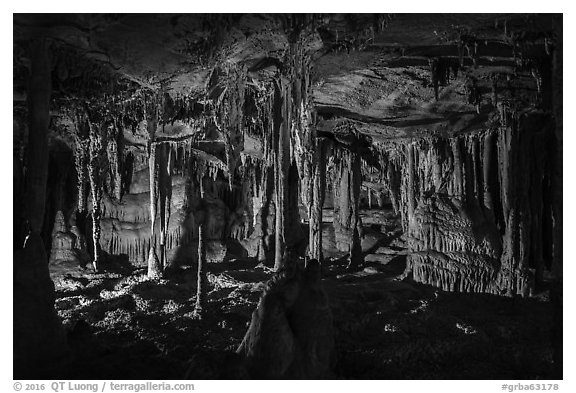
[{"x": 122, "y": 326}]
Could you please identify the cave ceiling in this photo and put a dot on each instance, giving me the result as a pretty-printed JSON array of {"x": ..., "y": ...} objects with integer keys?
[{"x": 375, "y": 71}]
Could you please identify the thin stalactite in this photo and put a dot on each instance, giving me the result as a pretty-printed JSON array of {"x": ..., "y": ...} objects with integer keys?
[{"x": 317, "y": 203}]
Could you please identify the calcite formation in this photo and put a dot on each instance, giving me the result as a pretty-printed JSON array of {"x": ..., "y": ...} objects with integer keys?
[
  {"x": 475, "y": 225},
  {"x": 282, "y": 140},
  {"x": 346, "y": 184},
  {"x": 290, "y": 334}
]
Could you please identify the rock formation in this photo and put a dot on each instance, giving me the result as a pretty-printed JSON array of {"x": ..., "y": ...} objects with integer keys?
[
  {"x": 273, "y": 139},
  {"x": 291, "y": 335}
]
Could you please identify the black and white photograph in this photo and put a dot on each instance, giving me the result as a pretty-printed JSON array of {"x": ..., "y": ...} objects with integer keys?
[{"x": 286, "y": 196}]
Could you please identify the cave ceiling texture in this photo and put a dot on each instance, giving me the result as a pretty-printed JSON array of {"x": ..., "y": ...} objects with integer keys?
[{"x": 157, "y": 142}]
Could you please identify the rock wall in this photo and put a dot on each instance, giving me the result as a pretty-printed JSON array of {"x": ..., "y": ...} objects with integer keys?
[{"x": 476, "y": 207}]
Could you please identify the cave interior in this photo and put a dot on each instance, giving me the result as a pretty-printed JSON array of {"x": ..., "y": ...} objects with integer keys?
[{"x": 287, "y": 196}]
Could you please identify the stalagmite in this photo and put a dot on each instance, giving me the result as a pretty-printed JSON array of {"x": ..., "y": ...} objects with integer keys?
[
  {"x": 229, "y": 116},
  {"x": 154, "y": 266},
  {"x": 201, "y": 283}
]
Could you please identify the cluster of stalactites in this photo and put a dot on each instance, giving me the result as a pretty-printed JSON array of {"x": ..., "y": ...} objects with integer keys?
[
  {"x": 248, "y": 202},
  {"x": 389, "y": 171},
  {"x": 289, "y": 147},
  {"x": 98, "y": 142},
  {"x": 482, "y": 180},
  {"x": 252, "y": 170},
  {"x": 440, "y": 69},
  {"x": 169, "y": 158},
  {"x": 229, "y": 114},
  {"x": 265, "y": 122},
  {"x": 303, "y": 151},
  {"x": 115, "y": 154},
  {"x": 347, "y": 181}
]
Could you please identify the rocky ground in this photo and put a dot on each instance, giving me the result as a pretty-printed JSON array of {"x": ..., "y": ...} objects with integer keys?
[{"x": 121, "y": 325}]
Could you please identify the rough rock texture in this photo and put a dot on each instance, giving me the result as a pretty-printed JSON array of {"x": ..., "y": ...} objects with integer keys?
[
  {"x": 346, "y": 183},
  {"x": 475, "y": 223},
  {"x": 291, "y": 80},
  {"x": 209, "y": 142},
  {"x": 291, "y": 333},
  {"x": 68, "y": 243},
  {"x": 315, "y": 214}
]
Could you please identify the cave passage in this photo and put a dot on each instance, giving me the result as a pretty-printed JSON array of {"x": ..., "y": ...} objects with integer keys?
[{"x": 287, "y": 196}]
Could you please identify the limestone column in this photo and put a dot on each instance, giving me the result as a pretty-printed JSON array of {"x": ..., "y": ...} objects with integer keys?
[
  {"x": 318, "y": 190},
  {"x": 201, "y": 283},
  {"x": 347, "y": 225},
  {"x": 284, "y": 173}
]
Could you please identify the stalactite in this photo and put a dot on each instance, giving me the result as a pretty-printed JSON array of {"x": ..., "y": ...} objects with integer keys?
[
  {"x": 391, "y": 176},
  {"x": 458, "y": 177},
  {"x": 114, "y": 152},
  {"x": 315, "y": 211},
  {"x": 347, "y": 179},
  {"x": 154, "y": 266},
  {"x": 154, "y": 170},
  {"x": 165, "y": 198},
  {"x": 440, "y": 72},
  {"x": 292, "y": 138},
  {"x": 282, "y": 121},
  {"x": 474, "y": 94},
  {"x": 411, "y": 205},
  {"x": 81, "y": 163},
  {"x": 264, "y": 222},
  {"x": 356, "y": 256},
  {"x": 472, "y": 205},
  {"x": 303, "y": 130},
  {"x": 229, "y": 114},
  {"x": 488, "y": 166}
]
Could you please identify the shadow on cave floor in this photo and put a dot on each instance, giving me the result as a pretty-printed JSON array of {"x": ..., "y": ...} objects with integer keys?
[{"x": 121, "y": 325}]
